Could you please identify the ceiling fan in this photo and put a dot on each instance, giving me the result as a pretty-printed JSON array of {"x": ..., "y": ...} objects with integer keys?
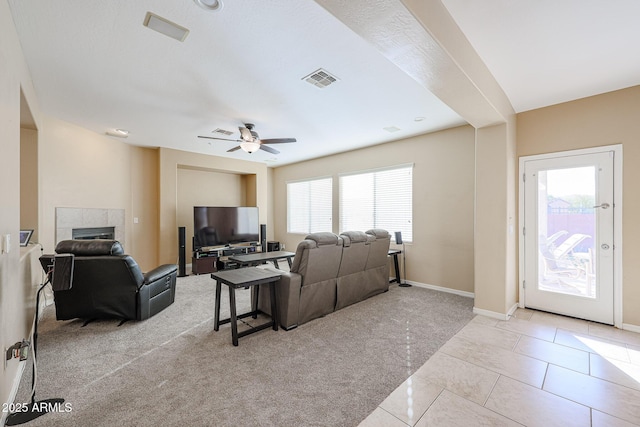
[{"x": 251, "y": 142}]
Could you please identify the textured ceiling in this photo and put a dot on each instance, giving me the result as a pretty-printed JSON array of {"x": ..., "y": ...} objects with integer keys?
[
  {"x": 95, "y": 65},
  {"x": 545, "y": 52}
]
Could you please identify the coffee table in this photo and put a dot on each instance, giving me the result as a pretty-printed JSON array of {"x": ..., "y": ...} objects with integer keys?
[{"x": 244, "y": 278}]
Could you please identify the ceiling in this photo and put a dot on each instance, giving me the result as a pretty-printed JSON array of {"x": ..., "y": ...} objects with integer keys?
[{"x": 95, "y": 65}]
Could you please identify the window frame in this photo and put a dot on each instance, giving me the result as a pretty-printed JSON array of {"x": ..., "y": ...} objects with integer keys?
[
  {"x": 309, "y": 220},
  {"x": 407, "y": 229}
]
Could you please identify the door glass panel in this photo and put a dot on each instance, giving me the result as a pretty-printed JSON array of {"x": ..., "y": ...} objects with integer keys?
[{"x": 566, "y": 231}]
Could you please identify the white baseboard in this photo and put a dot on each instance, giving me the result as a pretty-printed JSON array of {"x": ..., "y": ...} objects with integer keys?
[
  {"x": 496, "y": 315},
  {"x": 513, "y": 309},
  {"x": 439, "y": 288},
  {"x": 14, "y": 388},
  {"x": 491, "y": 314},
  {"x": 630, "y": 327}
]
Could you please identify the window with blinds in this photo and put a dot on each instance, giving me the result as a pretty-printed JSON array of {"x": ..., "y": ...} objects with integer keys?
[
  {"x": 309, "y": 206},
  {"x": 378, "y": 199}
]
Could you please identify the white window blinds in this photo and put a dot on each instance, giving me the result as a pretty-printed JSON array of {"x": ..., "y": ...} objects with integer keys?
[
  {"x": 378, "y": 199},
  {"x": 309, "y": 206}
]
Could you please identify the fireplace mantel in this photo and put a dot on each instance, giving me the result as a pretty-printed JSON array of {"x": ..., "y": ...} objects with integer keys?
[{"x": 69, "y": 218}]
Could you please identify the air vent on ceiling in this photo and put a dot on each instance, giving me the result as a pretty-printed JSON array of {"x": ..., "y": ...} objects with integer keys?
[
  {"x": 222, "y": 131},
  {"x": 320, "y": 78},
  {"x": 166, "y": 27}
]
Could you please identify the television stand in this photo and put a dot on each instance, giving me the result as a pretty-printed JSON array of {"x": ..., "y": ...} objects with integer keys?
[{"x": 210, "y": 261}]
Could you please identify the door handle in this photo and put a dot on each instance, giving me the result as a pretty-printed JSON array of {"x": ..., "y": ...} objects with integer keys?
[
  {"x": 604, "y": 246},
  {"x": 603, "y": 206}
]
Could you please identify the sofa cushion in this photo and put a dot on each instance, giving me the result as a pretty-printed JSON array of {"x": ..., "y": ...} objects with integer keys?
[
  {"x": 318, "y": 257},
  {"x": 349, "y": 237},
  {"x": 355, "y": 252},
  {"x": 379, "y": 248}
]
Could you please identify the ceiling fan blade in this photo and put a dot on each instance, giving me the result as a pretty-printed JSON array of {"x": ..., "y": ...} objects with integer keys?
[
  {"x": 221, "y": 139},
  {"x": 233, "y": 149},
  {"x": 245, "y": 133},
  {"x": 269, "y": 149},
  {"x": 277, "y": 140}
]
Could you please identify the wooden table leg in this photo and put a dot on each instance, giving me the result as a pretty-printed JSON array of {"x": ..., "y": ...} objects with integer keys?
[
  {"x": 255, "y": 293},
  {"x": 274, "y": 308},
  {"x": 216, "y": 315},
  {"x": 234, "y": 318},
  {"x": 397, "y": 268}
]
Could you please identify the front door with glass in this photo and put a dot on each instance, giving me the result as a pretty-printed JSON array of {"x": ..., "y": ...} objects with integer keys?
[{"x": 568, "y": 235}]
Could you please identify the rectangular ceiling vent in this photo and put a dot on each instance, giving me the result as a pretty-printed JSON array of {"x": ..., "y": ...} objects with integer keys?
[
  {"x": 320, "y": 78},
  {"x": 223, "y": 132},
  {"x": 164, "y": 26}
]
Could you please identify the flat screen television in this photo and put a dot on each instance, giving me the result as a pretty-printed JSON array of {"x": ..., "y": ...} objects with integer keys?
[{"x": 224, "y": 226}]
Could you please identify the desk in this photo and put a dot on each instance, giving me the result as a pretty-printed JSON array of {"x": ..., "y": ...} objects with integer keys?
[
  {"x": 244, "y": 278},
  {"x": 261, "y": 257}
]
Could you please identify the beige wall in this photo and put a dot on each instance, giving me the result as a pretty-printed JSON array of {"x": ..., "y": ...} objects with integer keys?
[
  {"x": 16, "y": 294},
  {"x": 81, "y": 169},
  {"x": 611, "y": 118},
  {"x": 442, "y": 251},
  {"x": 171, "y": 161},
  {"x": 144, "y": 219},
  {"x": 29, "y": 181},
  {"x": 193, "y": 190}
]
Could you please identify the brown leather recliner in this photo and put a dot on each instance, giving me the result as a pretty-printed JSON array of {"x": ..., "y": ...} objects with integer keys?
[{"x": 109, "y": 284}]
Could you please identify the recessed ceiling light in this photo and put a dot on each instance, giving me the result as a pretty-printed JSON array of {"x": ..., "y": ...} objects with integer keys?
[
  {"x": 119, "y": 133},
  {"x": 166, "y": 27},
  {"x": 391, "y": 129},
  {"x": 418, "y": 119},
  {"x": 209, "y": 4}
]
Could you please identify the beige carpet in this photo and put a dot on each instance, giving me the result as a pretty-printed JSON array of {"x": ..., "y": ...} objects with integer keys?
[{"x": 174, "y": 370}]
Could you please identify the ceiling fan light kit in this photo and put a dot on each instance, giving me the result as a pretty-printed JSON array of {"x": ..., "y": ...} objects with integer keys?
[
  {"x": 250, "y": 147},
  {"x": 250, "y": 141}
]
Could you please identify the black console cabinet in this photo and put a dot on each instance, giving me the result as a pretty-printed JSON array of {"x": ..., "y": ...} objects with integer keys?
[{"x": 204, "y": 265}]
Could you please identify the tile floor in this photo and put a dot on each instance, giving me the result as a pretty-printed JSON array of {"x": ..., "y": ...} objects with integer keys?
[{"x": 536, "y": 369}]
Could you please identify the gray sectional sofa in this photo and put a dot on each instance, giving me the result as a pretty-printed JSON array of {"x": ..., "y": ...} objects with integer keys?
[{"x": 330, "y": 272}]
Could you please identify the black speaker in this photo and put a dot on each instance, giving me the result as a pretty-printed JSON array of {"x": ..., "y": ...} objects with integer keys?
[
  {"x": 263, "y": 237},
  {"x": 182, "y": 262},
  {"x": 398, "y": 237},
  {"x": 273, "y": 246}
]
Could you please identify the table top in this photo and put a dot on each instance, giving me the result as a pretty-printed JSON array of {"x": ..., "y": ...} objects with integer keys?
[
  {"x": 248, "y": 276},
  {"x": 261, "y": 256}
]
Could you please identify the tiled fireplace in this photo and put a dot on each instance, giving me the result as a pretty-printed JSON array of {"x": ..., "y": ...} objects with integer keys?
[{"x": 83, "y": 221}]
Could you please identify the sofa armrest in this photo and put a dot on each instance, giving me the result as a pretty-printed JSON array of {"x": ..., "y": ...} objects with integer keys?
[
  {"x": 288, "y": 296},
  {"x": 157, "y": 292},
  {"x": 158, "y": 273}
]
